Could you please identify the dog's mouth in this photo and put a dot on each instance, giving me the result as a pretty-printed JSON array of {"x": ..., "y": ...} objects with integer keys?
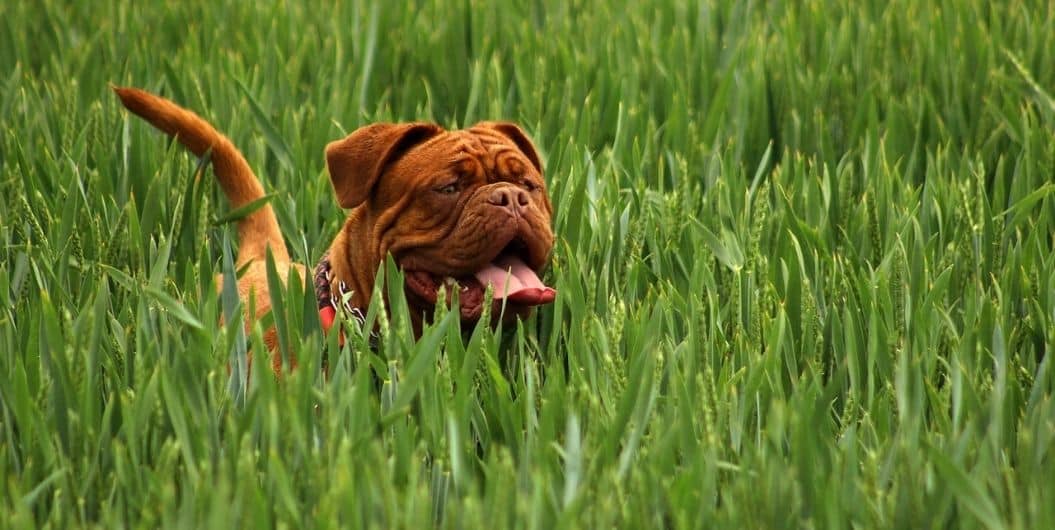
[{"x": 513, "y": 283}]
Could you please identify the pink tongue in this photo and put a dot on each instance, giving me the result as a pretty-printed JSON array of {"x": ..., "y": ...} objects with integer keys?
[{"x": 513, "y": 279}]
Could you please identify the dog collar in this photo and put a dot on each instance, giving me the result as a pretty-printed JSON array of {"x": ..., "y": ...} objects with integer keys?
[{"x": 328, "y": 304}]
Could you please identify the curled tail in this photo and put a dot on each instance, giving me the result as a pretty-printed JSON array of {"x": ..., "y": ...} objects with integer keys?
[{"x": 257, "y": 230}]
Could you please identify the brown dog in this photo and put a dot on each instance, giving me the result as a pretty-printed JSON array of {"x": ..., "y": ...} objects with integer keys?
[{"x": 463, "y": 208}]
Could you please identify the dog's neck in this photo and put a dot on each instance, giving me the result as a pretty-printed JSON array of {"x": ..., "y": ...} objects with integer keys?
[{"x": 352, "y": 261}]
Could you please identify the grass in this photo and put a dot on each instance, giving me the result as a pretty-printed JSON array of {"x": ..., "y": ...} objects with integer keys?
[{"x": 805, "y": 266}]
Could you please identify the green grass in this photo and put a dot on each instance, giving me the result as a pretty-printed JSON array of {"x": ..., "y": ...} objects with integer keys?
[{"x": 805, "y": 266}]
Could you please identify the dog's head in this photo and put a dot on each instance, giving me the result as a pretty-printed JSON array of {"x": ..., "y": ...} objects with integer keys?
[{"x": 465, "y": 209}]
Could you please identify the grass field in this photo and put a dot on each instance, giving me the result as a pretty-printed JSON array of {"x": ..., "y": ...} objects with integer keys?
[{"x": 805, "y": 266}]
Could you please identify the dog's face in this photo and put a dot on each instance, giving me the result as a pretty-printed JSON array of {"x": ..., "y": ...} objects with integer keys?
[{"x": 465, "y": 209}]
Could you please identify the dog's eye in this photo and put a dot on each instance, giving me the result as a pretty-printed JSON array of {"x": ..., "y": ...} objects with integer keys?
[
  {"x": 529, "y": 185},
  {"x": 449, "y": 188}
]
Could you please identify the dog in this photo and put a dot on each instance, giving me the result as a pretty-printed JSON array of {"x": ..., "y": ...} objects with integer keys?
[{"x": 460, "y": 209}]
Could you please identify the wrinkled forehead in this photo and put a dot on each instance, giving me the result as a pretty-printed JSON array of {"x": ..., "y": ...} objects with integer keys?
[{"x": 478, "y": 151}]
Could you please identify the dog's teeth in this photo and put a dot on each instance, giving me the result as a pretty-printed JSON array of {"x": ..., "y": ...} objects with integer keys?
[{"x": 451, "y": 282}]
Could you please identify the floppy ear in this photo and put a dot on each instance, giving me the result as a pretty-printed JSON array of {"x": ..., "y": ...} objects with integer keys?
[
  {"x": 357, "y": 161},
  {"x": 516, "y": 134}
]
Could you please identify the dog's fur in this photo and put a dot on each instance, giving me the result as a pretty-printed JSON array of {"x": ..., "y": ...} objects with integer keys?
[{"x": 444, "y": 204}]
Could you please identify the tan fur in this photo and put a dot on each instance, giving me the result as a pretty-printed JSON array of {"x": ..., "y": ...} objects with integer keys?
[{"x": 258, "y": 230}]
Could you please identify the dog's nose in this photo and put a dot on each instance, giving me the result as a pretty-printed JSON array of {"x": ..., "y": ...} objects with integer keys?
[{"x": 509, "y": 197}]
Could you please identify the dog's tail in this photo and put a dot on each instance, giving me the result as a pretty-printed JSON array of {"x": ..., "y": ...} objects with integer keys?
[{"x": 256, "y": 231}]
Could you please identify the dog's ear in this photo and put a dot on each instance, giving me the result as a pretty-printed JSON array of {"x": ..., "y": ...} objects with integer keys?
[
  {"x": 357, "y": 161},
  {"x": 516, "y": 134}
]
